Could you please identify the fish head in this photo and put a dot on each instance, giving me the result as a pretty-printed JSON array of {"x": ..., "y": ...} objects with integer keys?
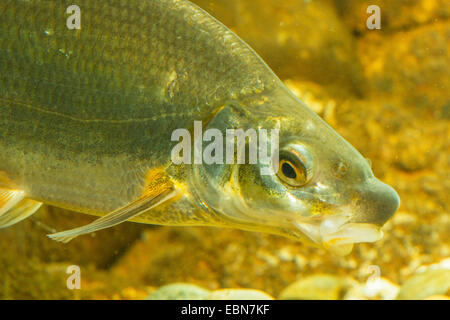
[{"x": 316, "y": 187}]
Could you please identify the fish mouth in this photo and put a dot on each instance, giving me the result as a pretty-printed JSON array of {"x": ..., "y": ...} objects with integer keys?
[{"x": 337, "y": 234}]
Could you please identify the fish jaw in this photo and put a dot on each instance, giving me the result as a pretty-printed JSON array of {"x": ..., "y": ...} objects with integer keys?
[
  {"x": 356, "y": 222},
  {"x": 336, "y": 234}
]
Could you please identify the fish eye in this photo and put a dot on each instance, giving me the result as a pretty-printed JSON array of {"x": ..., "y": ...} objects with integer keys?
[{"x": 294, "y": 168}]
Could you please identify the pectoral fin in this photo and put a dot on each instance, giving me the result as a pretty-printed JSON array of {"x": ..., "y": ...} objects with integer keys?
[
  {"x": 144, "y": 203},
  {"x": 14, "y": 208},
  {"x": 21, "y": 211},
  {"x": 9, "y": 198}
]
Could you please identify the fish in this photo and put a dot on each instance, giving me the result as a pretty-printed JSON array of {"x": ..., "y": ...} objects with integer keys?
[{"x": 88, "y": 114}]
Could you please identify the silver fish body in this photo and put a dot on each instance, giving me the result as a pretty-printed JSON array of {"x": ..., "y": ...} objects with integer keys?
[{"x": 87, "y": 117}]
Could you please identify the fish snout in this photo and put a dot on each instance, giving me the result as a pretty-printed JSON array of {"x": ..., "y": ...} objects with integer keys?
[{"x": 377, "y": 202}]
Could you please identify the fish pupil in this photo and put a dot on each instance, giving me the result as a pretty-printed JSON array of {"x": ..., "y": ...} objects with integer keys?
[{"x": 288, "y": 171}]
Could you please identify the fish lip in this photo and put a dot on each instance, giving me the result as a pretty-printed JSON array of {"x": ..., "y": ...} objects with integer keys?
[{"x": 338, "y": 233}]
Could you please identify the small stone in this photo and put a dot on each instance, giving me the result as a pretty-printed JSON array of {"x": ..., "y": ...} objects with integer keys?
[
  {"x": 381, "y": 288},
  {"x": 443, "y": 264},
  {"x": 285, "y": 254},
  {"x": 179, "y": 291},
  {"x": 426, "y": 284},
  {"x": 404, "y": 218},
  {"x": 375, "y": 288},
  {"x": 269, "y": 258},
  {"x": 300, "y": 261},
  {"x": 239, "y": 294},
  {"x": 316, "y": 287}
]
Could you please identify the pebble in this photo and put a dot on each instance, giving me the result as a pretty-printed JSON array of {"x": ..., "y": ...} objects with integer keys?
[
  {"x": 375, "y": 289},
  {"x": 186, "y": 291},
  {"x": 426, "y": 284},
  {"x": 239, "y": 294},
  {"x": 179, "y": 291},
  {"x": 316, "y": 287}
]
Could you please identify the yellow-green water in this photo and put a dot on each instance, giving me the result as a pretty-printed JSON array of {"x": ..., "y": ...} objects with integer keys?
[{"x": 386, "y": 91}]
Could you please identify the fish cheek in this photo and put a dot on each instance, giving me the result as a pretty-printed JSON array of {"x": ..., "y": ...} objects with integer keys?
[{"x": 259, "y": 191}]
